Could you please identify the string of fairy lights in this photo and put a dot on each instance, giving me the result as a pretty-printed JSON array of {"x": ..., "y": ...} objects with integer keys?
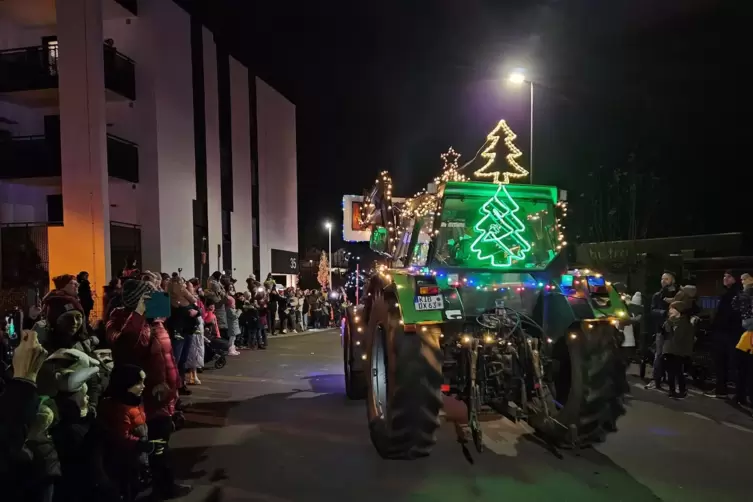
[{"x": 424, "y": 204}]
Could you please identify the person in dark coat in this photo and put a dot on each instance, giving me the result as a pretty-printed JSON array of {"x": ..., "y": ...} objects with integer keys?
[
  {"x": 112, "y": 298},
  {"x": 725, "y": 331},
  {"x": 658, "y": 315},
  {"x": 85, "y": 295},
  {"x": 743, "y": 304},
  {"x": 678, "y": 344}
]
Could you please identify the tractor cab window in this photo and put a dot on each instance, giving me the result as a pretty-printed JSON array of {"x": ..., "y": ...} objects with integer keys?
[
  {"x": 496, "y": 232},
  {"x": 415, "y": 233}
]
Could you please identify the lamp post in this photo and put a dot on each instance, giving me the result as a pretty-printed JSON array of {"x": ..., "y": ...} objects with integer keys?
[
  {"x": 329, "y": 231},
  {"x": 518, "y": 77}
]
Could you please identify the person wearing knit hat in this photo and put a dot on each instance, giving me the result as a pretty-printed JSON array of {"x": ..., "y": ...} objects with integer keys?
[
  {"x": 133, "y": 290},
  {"x": 63, "y": 302}
]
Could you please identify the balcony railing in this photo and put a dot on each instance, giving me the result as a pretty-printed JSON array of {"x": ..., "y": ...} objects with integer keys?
[
  {"x": 27, "y": 69},
  {"x": 120, "y": 73},
  {"x": 122, "y": 159},
  {"x": 29, "y": 157},
  {"x": 35, "y": 68},
  {"x": 39, "y": 157}
]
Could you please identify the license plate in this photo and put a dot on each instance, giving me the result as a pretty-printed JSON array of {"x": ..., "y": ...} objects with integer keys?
[{"x": 434, "y": 302}]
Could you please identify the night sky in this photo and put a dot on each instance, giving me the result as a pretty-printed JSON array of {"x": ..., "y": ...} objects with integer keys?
[{"x": 650, "y": 89}]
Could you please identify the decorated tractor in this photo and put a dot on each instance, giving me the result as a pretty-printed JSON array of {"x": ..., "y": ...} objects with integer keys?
[{"x": 475, "y": 302}]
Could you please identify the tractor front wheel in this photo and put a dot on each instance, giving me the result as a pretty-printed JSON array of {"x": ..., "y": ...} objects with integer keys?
[
  {"x": 403, "y": 398},
  {"x": 355, "y": 381},
  {"x": 588, "y": 382}
]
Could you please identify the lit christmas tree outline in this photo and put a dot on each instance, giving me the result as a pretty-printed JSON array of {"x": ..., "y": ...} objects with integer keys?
[
  {"x": 322, "y": 275},
  {"x": 500, "y": 231},
  {"x": 490, "y": 155}
]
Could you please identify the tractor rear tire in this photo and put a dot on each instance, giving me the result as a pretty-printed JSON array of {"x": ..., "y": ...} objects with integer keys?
[
  {"x": 404, "y": 386},
  {"x": 590, "y": 384},
  {"x": 355, "y": 381}
]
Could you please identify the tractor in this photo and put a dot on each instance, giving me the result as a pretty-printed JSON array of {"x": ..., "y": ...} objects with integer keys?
[{"x": 475, "y": 301}]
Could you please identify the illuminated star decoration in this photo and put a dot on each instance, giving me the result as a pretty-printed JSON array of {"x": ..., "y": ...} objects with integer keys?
[
  {"x": 450, "y": 168},
  {"x": 490, "y": 155}
]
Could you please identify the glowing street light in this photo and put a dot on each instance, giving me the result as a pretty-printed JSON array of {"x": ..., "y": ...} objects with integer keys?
[{"x": 518, "y": 77}]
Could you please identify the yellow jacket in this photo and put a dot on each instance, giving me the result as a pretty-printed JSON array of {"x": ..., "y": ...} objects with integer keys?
[{"x": 746, "y": 342}]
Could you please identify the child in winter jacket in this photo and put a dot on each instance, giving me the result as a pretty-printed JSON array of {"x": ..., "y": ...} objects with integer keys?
[
  {"x": 233, "y": 325},
  {"x": 121, "y": 414}
]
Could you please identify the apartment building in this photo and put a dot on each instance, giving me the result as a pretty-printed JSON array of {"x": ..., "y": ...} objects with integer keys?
[{"x": 128, "y": 133}]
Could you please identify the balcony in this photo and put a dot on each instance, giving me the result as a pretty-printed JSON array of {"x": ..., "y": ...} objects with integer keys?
[
  {"x": 122, "y": 159},
  {"x": 29, "y": 157},
  {"x": 30, "y": 75},
  {"x": 39, "y": 157}
]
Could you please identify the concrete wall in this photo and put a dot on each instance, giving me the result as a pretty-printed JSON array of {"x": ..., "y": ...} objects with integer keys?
[
  {"x": 83, "y": 242},
  {"x": 165, "y": 136},
  {"x": 28, "y": 121},
  {"x": 24, "y": 203},
  {"x": 241, "y": 222},
  {"x": 278, "y": 193},
  {"x": 214, "y": 192},
  {"x": 124, "y": 33},
  {"x": 13, "y": 36}
]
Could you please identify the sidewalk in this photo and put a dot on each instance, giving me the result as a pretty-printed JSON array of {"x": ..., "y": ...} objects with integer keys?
[{"x": 307, "y": 332}]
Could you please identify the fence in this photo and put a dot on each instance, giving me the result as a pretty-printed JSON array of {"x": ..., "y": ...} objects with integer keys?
[{"x": 24, "y": 263}]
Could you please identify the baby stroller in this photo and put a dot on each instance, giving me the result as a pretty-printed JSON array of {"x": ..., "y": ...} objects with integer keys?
[{"x": 216, "y": 349}]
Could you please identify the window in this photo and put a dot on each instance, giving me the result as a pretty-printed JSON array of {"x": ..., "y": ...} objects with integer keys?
[{"x": 51, "y": 54}]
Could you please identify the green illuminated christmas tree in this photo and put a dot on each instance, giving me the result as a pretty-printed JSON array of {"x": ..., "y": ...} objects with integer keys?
[{"x": 500, "y": 232}]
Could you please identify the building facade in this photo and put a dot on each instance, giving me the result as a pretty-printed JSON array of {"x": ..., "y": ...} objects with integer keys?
[{"x": 128, "y": 133}]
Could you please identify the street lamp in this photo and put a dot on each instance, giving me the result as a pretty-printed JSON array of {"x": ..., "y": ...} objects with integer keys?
[
  {"x": 518, "y": 77},
  {"x": 329, "y": 231}
]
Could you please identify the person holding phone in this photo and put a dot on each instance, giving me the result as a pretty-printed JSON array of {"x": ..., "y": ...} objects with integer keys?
[{"x": 138, "y": 337}]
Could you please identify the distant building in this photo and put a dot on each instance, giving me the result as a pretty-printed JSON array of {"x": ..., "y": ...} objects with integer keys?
[
  {"x": 128, "y": 133},
  {"x": 695, "y": 259}
]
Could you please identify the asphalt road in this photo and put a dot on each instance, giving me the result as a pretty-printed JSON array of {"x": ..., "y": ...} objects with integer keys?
[{"x": 274, "y": 426}]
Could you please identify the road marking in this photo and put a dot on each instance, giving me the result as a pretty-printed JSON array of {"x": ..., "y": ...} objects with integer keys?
[
  {"x": 738, "y": 427},
  {"x": 697, "y": 415}
]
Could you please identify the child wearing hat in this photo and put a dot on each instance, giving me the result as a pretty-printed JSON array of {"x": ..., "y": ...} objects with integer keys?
[{"x": 124, "y": 429}]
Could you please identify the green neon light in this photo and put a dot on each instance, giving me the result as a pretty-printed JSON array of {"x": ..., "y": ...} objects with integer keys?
[{"x": 500, "y": 239}]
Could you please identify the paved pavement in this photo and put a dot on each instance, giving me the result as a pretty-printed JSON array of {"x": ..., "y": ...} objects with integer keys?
[{"x": 274, "y": 426}]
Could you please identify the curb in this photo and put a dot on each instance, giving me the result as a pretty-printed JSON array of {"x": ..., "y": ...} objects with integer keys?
[{"x": 303, "y": 333}]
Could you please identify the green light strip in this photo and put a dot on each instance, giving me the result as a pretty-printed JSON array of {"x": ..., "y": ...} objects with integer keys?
[{"x": 500, "y": 225}]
